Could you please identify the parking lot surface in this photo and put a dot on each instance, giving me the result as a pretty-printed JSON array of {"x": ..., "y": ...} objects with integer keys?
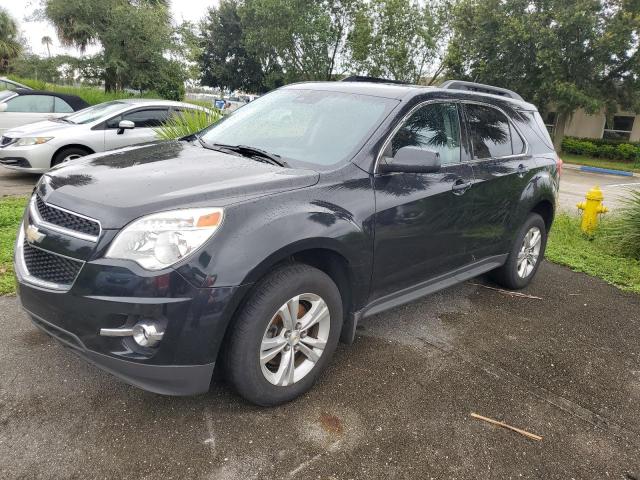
[
  {"x": 575, "y": 184},
  {"x": 396, "y": 404}
]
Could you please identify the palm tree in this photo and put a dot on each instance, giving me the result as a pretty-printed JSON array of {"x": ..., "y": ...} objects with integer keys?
[
  {"x": 10, "y": 46},
  {"x": 46, "y": 40}
]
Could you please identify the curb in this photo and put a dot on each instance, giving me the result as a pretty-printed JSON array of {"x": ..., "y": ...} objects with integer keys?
[{"x": 606, "y": 171}]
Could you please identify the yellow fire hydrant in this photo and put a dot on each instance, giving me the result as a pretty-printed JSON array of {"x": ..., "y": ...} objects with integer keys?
[{"x": 591, "y": 208}]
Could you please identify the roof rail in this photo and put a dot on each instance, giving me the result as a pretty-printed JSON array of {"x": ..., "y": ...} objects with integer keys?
[
  {"x": 480, "y": 87},
  {"x": 360, "y": 78}
]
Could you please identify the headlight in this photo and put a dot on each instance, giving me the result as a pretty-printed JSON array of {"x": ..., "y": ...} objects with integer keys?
[
  {"x": 160, "y": 240},
  {"x": 26, "y": 141}
]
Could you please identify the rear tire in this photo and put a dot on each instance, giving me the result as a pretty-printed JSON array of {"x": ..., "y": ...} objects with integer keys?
[
  {"x": 304, "y": 344},
  {"x": 68, "y": 154},
  {"x": 525, "y": 256}
]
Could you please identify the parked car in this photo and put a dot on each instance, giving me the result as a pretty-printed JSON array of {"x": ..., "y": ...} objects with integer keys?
[
  {"x": 256, "y": 245},
  {"x": 21, "y": 106},
  {"x": 39, "y": 146},
  {"x": 6, "y": 84}
]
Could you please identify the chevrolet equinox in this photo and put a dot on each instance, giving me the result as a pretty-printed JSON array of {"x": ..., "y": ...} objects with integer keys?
[{"x": 257, "y": 244}]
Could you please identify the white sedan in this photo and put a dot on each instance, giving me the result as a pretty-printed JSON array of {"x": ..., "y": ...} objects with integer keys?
[{"x": 39, "y": 146}]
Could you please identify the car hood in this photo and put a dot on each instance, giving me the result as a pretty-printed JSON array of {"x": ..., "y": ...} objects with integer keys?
[
  {"x": 40, "y": 129},
  {"x": 121, "y": 185}
]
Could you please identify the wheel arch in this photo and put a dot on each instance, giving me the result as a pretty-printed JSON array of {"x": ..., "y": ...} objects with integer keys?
[
  {"x": 323, "y": 254},
  {"x": 89, "y": 150},
  {"x": 545, "y": 209}
]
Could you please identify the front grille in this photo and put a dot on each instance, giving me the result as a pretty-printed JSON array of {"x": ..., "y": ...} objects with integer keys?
[
  {"x": 67, "y": 220},
  {"x": 49, "y": 266},
  {"x": 4, "y": 141}
]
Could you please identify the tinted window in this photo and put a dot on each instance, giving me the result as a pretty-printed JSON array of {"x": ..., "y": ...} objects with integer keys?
[
  {"x": 149, "y": 118},
  {"x": 434, "y": 127},
  {"x": 488, "y": 131},
  {"x": 60, "y": 106},
  {"x": 516, "y": 142},
  {"x": 31, "y": 104}
]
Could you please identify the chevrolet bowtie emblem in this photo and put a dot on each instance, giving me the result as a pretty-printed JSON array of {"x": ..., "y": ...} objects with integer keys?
[{"x": 33, "y": 234}]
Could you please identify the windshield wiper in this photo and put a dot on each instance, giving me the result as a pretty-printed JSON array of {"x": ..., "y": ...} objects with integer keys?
[{"x": 247, "y": 151}]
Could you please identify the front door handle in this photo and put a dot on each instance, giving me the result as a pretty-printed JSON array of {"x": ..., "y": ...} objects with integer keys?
[
  {"x": 460, "y": 186},
  {"x": 522, "y": 170}
]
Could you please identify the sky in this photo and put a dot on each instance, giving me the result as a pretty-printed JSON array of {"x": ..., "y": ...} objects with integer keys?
[{"x": 33, "y": 31}]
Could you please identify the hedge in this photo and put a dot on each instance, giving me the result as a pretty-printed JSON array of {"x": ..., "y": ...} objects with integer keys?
[{"x": 602, "y": 148}]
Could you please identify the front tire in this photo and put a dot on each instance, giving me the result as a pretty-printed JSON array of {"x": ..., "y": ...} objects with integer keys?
[
  {"x": 284, "y": 336},
  {"x": 68, "y": 154},
  {"x": 525, "y": 256}
]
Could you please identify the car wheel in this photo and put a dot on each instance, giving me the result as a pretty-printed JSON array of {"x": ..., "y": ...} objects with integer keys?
[
  {"x": 68, "y": 154},
  {"x": 525, "y": 256},
  {"x": 284, "y": 336}
]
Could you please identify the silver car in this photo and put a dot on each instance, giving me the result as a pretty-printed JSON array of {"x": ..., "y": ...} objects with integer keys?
[{"x": 39, "y": 146}]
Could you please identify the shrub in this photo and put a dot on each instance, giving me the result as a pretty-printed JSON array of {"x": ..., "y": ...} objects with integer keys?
[
  {"x": 602, "y": 148},
  {"x": 625, "y": 232},
  {"x": 187, "y": 123}
]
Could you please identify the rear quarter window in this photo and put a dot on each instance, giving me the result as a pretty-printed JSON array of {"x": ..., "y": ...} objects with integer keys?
[{"x": 530, "y": 123}]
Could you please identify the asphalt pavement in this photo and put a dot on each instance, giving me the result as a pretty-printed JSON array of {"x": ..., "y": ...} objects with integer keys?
[
  {"x": 574, "y": 185},
  {"x": 396, "y": 404}
]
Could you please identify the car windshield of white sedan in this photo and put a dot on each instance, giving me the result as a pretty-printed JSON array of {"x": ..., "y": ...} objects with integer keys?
[
  {"x": 96, "y": 112},
  {"x": 310, "y": 126}
]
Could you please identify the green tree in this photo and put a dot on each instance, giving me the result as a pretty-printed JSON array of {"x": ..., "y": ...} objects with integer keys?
[
  {"x": 47, "y": 42},
  {"x": 10, "y": 46},
  {"x": 304, "y": 38},
  {"x": 224, "y": 60},
  {"x": 568, "y": 54},
  {"x": 135, "y": 36},
  {"x": 396, "y": 39}
]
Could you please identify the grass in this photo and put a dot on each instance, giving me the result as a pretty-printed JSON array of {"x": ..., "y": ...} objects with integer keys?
[
  {"x": 11, "y": 210},
  {"x": 596, "y": 256},
  {"x": 626, "y": 165},
  {"x": 91, "y": 95}
]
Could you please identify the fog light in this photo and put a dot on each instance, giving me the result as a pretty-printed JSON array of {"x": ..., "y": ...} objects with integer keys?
[{"x": 147, "y": 334}]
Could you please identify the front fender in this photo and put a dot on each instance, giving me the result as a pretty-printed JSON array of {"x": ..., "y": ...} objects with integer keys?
[{"x": 258, "y": 234}]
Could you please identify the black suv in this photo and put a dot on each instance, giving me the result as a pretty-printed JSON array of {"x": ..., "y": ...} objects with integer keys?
[{"x": 259, "y": 243}]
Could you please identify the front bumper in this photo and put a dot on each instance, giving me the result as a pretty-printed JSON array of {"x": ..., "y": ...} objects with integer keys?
[
  {"x": 32, "y": 158},
  {"x": 162, "y": 379}
]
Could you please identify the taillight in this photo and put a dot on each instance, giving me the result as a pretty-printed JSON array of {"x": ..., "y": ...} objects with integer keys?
[{"x": 559, "y": 163}]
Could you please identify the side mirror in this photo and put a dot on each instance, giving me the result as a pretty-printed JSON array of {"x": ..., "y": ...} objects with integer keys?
[
  {"x": 412, "y": 160},
  {"x": 125, "y": 125},
  {"x": 3, "y": 107}
]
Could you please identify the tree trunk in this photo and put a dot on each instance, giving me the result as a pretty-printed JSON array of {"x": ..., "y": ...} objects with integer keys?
[{"x": 558, "y": 131}]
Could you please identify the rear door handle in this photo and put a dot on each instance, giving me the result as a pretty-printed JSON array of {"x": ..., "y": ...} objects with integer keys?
[
  {"x": 522, "y": 169},
  {"x": 460, "y": 186}
]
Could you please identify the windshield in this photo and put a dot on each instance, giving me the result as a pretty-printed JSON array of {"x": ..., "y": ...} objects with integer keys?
[
  {"x": 318, "y": 127},
  {"x": 96, "y": 112}
]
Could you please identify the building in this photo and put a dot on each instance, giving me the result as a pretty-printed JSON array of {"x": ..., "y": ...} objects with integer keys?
[{"x": 624, "y": 126}]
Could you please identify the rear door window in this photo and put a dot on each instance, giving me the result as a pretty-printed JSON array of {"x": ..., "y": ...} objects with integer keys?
[
  {"x": 60, "y": 106},
  {"x": 489, "y": 132}
]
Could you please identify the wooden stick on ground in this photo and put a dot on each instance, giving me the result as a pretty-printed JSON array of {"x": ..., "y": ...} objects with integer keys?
[
  {"x": 507, "y": 292},
  {"x": 530, "y": 435}
]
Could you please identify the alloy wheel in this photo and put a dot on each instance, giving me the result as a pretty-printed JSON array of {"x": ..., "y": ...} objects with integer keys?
[
  {"x": 529, "y": 252},
  {"x": 295, "y": 339}
]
